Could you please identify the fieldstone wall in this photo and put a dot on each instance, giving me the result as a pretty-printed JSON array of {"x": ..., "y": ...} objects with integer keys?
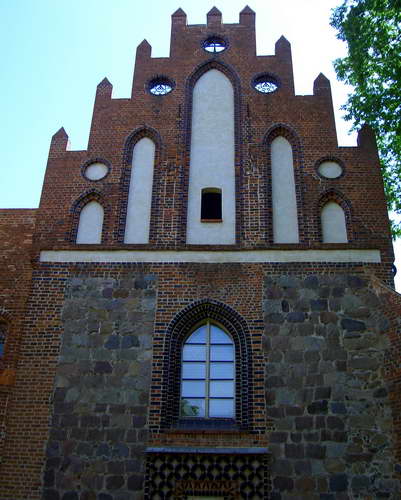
[
  {"x": 325, "y": 391},
  {"x": 99, "y": 426}
]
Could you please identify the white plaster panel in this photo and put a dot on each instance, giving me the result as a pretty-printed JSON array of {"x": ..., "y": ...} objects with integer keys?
[
  {"x": 173, "y": 256},
  {"x": 90, "y": 223},
  {"x": 330, "y": 169},
  {"x": 140, "y": 192},
  {"x": 285, "y": 216},
  {"x": 334, "y": 228},
  {"x": 96, "y": 171},
  {"x": 212, "y": 157}
]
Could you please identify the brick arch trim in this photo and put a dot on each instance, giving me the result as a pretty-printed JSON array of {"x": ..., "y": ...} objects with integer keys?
[
  {"x": 76, "y": 208},
  {"x": 132, "y": 139},
  {"x": 286, "y": 131},
  {"x": 338, "y": 197},
  {"x": 291, "y": 135},
  {"x": 176, "y": 334}
]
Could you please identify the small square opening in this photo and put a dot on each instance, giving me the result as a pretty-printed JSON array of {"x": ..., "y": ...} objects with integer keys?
[{"x": 211, "y": 210}]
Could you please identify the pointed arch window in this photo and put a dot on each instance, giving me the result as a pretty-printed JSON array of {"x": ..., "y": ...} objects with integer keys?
[
  {"x": 3, "y": 335},
  {"x": 90, "y": 224},
  {"x": 334, "y": 227},
  {"x": 208, "y": 373}
]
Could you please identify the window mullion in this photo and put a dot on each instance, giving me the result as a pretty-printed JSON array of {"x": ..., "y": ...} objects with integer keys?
[{"x": 207, "y": 381}]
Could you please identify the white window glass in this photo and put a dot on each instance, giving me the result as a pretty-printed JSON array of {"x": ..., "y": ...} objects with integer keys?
[
  {"x": 90, "y": 224},
  {"x": 207, "y": 375}
]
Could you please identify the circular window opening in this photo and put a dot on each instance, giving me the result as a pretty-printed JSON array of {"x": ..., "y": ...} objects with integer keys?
[
  {"x": 330, "y": 169},
  {"x": 214, "y": 44},
  {"x": 160, "y": 86},
  {"x": 266, "y": 84},
  {"x": 96, "y": 171}
]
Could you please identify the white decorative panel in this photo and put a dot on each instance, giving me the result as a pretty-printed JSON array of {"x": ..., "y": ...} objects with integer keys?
[
  {"x": 140, "y": 192},
  {"x": 285, "y": 216},
  {"x": 90, "y": 223},
  {"x": 330, "y": 169},
  {"x": 334, "y": 228},
  {"x": 96, "y": 171},
  {"x": 212, "y": 158}
]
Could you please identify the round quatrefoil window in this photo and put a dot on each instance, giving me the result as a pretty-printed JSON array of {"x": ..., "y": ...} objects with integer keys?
[
  {"x": 160, "y": 86},
  {"x": 330, "y": 169},
  {"x": 96, "y": 171},
  {"x": 214, "y": 44},
  {"x": 266, "y": 84}
]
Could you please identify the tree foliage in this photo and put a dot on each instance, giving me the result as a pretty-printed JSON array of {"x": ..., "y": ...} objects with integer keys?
[{"x": 372, "y": 30}]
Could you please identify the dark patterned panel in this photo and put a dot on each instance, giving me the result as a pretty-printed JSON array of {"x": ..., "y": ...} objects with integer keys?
[{"x": 177, "y": 476}]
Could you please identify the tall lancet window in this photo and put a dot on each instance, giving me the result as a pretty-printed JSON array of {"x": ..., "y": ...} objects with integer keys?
[
  {"x": 140, "y": 192},
  {"x": 334, "y": 228},
  {"x": 285, "y": 216},
  {"x": 212, "y": 159},
  {"x": 90, "y": 223}
]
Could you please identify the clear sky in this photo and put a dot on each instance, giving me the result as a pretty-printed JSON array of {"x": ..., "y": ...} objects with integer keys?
[{"x": 55, "y": 53}]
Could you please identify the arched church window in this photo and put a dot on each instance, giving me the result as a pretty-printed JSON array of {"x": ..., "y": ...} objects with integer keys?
[
  {"x": 207, "y": 376},
  {"x": 334, "y": 227},
  {"x": 90, "y": 225},
  {"x": 3, "y": 335}
]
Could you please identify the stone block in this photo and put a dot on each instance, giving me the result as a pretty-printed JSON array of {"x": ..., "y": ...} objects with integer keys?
[
  {"x": 296, "y": 437},
  {"x": 338, "y": 408},
  {"x": 311, "y": 282},
  {"x": 305, "y": 483},
  {"x": 334, "y": 465},
  {"x": 274, "y": 292},
  {"x": 316, "y": 407},
  {"x": 336, "y": 450},
  {"x": 303, "y": 423},
  {"x": 283, "y": 483},
  {"x": 282, "y": 467},
  {"x": 274, "y": 318},
  {"x": 353, "y": 325},
  {"x": 114, "y": 482},
  {"x": 70, "y": 495},
  {"x": 360, "y": 482},
  {"x": 311, "y": 436},
  {"x": 103, "y": 367},
  {"x": 338, "y": 482},
  {"x": 278, "y": 437},
  {"x": 335, "y": 423},
  {"x": 294, "y": 451},
  {"x": 50, "y": 494},
  {"x": 302, "y": 467},
  {"x": 327, "y": 317},
  {"x": 319, "y": 305},
  {"x": 296, "y": 317},
  {"x": 315, "y": 451},
  {"x": 314, "y": 343}
]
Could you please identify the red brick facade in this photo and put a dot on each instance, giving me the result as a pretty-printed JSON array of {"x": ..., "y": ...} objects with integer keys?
[{"x": 90, "y": 377}]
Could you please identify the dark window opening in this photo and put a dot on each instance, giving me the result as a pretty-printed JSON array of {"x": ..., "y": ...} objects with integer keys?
[{"x": 211, "y": 205}]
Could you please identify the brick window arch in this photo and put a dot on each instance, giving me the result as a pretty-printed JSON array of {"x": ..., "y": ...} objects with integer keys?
[
  {"x": 333, "y": 195},
  {"x": 289, "y": 134},
  {"x": 77, "y": 207},
  {"x": 130, "y": 142},
  {"x": 232, "y": 324}
]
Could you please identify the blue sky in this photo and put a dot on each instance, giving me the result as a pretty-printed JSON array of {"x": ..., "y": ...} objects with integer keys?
[{"x": 55, "y": 53}]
